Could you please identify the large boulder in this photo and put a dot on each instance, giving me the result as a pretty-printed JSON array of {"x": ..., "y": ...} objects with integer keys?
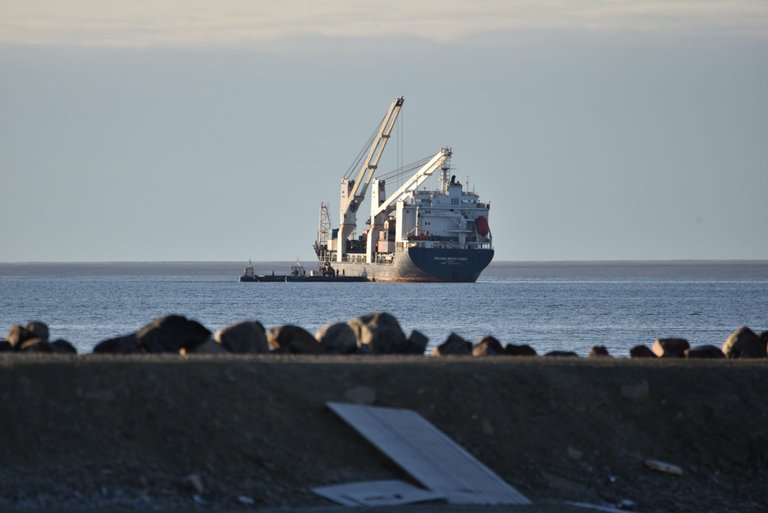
[
  {"x": 38, "y": 330},
  {"x": 562, "y": 354},
  {"x": 670, "y": 347},
  {"x": 641, "y": 351},
  {"x": 416, "y": 343},
  {"x": 126, "y": 344},
  {"x": 519, "y": 350},
  {"x": 744, "y": 343},
  {"x": 34, "y": 345},
  {"x": 172, "y": 333},
  {"x": 337, "y": 338},
  {"x": 453, "y": 345},
  {"x": 705, "y": 351},
  {"x": 210, "y": 346},
  {"x": 598, "y": 351},
  {"x": 378, "y": 333},
  {"x": 17, "y": 335},
  {"x": 488, "y": 346},
  {"x": 292, "y": 339},
  {"x": 243, "y": 337},
  {"x": 63, "y": 346}
]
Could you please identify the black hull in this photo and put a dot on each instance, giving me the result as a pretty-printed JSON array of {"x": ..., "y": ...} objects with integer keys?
[
  {"x": 451, "y": 265},
  {"x": 302, "y": 279}
]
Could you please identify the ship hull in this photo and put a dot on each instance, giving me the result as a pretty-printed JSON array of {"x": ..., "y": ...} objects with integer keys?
[
  {"x": 424, "y": 265},
  {"x": 301, "y": 279}
]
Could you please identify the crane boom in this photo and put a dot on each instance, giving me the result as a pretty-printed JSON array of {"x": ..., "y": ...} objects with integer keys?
[
  {"x": 353, "y": 192},
  {"x": 379, "y": 211},
  {"x": 413, "y": 182}
]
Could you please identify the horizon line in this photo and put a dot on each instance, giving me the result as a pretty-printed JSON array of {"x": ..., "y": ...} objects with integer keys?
[{"x": 545, "y": 261}]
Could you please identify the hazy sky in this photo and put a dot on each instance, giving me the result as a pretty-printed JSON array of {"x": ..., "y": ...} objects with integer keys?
[{"x": 197, "y": 130}]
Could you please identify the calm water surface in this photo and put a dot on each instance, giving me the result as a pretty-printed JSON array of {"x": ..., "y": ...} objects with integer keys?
[{"x": 549, "y": 312}]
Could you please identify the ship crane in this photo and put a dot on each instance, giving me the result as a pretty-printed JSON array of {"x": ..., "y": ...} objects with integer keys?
[
  {"x": 353, "y": 191},
  {"x": 380, "y": 209}
]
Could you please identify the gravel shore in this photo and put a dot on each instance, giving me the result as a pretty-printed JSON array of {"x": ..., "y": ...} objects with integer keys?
[{"x": 141, "y": 432}]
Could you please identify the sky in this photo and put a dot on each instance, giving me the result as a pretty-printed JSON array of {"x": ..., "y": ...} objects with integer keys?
[{"x": 195, "y": 130}]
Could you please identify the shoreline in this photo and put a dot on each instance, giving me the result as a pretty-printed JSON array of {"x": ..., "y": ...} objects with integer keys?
[{"x": 93, "y": 432}]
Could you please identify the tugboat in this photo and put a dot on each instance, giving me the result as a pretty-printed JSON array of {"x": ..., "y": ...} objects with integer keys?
[{"x": 414, "y": 235}]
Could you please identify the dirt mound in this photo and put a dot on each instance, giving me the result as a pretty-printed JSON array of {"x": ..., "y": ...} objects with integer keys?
[{"x": 252, "y": 431}]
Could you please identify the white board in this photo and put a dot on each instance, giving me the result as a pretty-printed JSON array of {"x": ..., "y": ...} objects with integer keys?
[
  {"x": 428, "y": 455},
  {"x": 376, "y": 493}
]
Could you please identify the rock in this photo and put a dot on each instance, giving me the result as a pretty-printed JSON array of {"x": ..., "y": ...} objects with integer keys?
[
  {"x": 194, "y": 483},
  {"x": 5, "y": 346},
  {"x": 574, "y": 453},
  {"x": 18, "y": 334},
  {"x": 453, "y": 345},
  {"x": 243, "y": 337},
  {"x": 416, "y": 343},
  {"x": 378, "y": 333},
  {"x": 598, "y": 351},
  {"x": 641, "y": 351},
  {"x": 744, "y": 343},
  {"x": 62, "y": 346},
  {"x": 706, "y": 351},
  {"x": 636, "y": 392},
  {"x": 519, "y": 350},
  {"x": 246, "y": 500},
  {"x": 210, "y": 346},
  {"x": 562, "y": 354},
  {"x": 670, "y": 347},
  {"x": 488, "y": 346},
  {"x": 35, "y": 345},
  {"x": 38, "y": 330},
  {"x": 126, "y": 344},
  {"x": 663, "y": 466},
  {"x": 627, "y": 504},
  {"x": 292, "y": 339},
  {"x": 360, "y": 395},
  {"x": 171, "y": 333},
  {"x": 337, "y": 338}
]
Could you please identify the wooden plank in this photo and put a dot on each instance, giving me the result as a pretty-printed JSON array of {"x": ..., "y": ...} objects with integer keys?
[{"x": 428, "y": 455}]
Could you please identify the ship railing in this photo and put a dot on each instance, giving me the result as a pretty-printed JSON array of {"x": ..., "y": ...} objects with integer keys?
[
  {"x": 357, "y": 258},
  {"x": 481, "y": 245},
  {"x": 438, "y": 244},
  {"x": 385, "y": 259},
  {"x": 450, "y": 244}
]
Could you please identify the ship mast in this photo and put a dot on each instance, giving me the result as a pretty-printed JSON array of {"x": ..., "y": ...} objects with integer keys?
[
  {"x": 353, "y": 191},
  {"x": 323, "y": 229}
]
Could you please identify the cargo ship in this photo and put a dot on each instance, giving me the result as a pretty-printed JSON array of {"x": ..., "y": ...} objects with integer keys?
[{"x": 413, "y": 234}]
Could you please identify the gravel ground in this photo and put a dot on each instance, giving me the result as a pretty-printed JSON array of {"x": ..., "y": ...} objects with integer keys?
[{"x": 234, "y": 433}]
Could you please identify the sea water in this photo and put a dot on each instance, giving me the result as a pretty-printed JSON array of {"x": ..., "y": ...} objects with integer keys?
[{"x": 565, "y": 307}]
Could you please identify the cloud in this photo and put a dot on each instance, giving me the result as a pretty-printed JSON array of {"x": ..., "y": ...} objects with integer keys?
[{"x": 183, "y": 23}]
